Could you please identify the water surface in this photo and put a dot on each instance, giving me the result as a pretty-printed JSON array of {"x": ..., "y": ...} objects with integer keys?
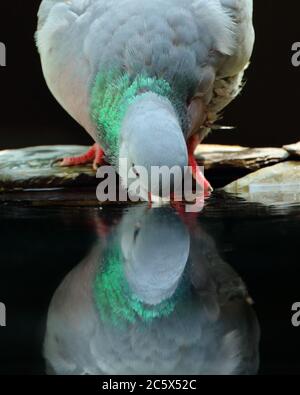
[{"x": 130, "y": 290}]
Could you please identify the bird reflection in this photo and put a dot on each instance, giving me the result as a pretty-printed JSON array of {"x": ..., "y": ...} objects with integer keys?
[{"x": 152, "y": 297}]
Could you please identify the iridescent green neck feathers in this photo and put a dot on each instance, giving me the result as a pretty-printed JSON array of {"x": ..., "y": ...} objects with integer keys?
[
  {"x": 115, "y": 301},
  {"x": 111, "y": 96}
]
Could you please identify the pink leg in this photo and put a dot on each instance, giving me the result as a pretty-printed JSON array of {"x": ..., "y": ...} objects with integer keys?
[
  {"x": 150, "y": 203},
  {"x": 94, "y": 155},
  {"x": 198, "y": 175}
]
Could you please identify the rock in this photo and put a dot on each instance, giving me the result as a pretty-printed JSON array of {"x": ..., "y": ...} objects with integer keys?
[
  {"x": 65, "y": 197},
  {"x": 29, "y": 175},
  {"x": 278, "y": 184},
  {"x": 293, "y": 149},
  {"x": 282, "y": 176},
  {"x": 236, "y": 157},
  {"x": 204, "y": 149},
  {"x": 33, "y": 168}
]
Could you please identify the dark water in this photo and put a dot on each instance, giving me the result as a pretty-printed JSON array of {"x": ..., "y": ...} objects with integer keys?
[{"x": 139, "y": 290}]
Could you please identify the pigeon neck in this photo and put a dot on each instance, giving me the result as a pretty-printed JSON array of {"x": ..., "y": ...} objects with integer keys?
[
  {"x": 115, "y": 300},
  {"x": 111, "y": 96}
]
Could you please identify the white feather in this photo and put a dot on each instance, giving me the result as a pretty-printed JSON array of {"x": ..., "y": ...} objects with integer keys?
[{"x": 207, "y": 40}]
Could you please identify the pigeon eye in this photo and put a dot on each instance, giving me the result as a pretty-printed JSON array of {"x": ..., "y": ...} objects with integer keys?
[
  {"x": 135, "y": 171},
  {"x": 136, "y": 233}
]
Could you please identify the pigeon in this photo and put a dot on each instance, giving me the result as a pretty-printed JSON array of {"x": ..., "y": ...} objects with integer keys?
[
  {"x": 146, "y": 79},
  {"x": 155, "y": 297}
]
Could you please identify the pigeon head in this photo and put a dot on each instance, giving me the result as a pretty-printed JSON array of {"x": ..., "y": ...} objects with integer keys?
[
  {"x": 140, "y": 126},
  {"x": 152, "y": 138},
  {"x": 154, "y": 261}
]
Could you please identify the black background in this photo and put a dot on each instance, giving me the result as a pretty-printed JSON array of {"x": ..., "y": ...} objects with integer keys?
[
  {"x": 264, "y": 254},
  {"x": 265, "y": 115}
]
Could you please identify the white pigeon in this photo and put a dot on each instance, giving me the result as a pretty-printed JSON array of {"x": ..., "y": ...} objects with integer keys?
[{"x": 146, "y": 79}]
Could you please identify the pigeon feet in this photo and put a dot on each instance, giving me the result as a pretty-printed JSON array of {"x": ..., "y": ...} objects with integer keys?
[
  {"x": 197, "y": 174},
  {"x": 94, "y": 155}
]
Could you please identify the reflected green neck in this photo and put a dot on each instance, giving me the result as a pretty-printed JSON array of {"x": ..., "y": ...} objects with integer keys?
[{"x": 114, "y": 299}]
